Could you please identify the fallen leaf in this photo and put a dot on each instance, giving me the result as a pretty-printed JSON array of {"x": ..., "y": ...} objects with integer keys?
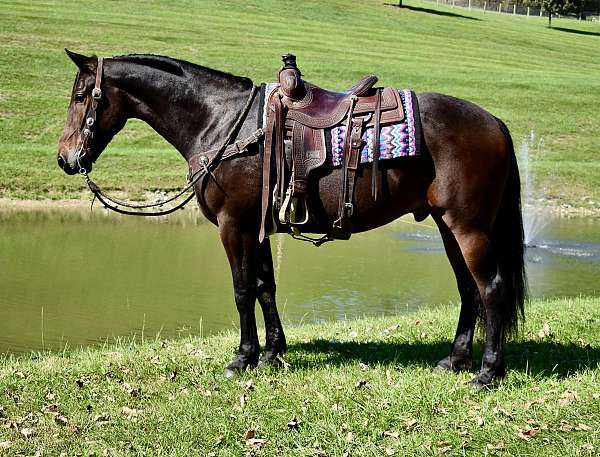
[
  {"x": 444, "y": 449},
  {"x": 5, "y": 444},
  {"x": 336, "y": 407},
  {"x": 250, "y": 433},
  {"x": 220, "y": 439},
  {"x": 565, "y": 426},
  {"x": 588, "y": 447},
  {"x": 545, "y": 331},
  {"x": 479, "y": 421},
  {"x": 363, "y": 366},
  {"x": 583, "y": 427},
  {"x": 499, "y": 445},
  {"x": 173, "y": 376},
  {"x": 27, "y": 432},
  {"x": 50, "y": 396},
  {"x": 409, "y": 424},
  {"x": 61, "y": 420},
  {"x": 361, "y": 383},
  {"x": 527, "y": 434},
  {"x": 389, "y": 451},
  {"x": 596, "y": 396},
  {"x": 350, "y": 437},
  {"x": 249, "y": 385},
  {"x": 294, "y": 424},
  {"x": 53, "y": 408},
  {"x": 260, "y": 442},
  {"x": 133, "y": 391},
  {"x": 391, "y": 434},
  {"x": 101, "y": 418},
  {"x": 567, "y": 398},
  {"x": 500, "y": 410},
  {"x": 19, "y": 374},
  {"x": 130, "y": 412},
  {"x": 243, "y": 400}
]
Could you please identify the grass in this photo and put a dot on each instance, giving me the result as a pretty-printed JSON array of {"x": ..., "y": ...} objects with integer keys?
[
  {"x": 536, "y": 79},
  {"x": 360, "y": 388}
]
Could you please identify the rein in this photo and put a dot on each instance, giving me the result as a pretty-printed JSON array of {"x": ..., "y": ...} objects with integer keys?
[{"x": 206, "y": 165}]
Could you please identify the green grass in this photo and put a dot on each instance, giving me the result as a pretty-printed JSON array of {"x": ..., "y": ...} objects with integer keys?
[
  {"x": 535, "y": 78},
  {"x": 346, "y": 383}
]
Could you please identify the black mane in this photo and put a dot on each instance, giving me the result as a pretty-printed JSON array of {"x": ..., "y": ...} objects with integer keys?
[{"x": 179, "y": 67}]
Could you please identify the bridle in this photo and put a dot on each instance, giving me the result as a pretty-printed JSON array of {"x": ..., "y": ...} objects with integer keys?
[
  {"x": 86, "y": 132},
  {"x": 207, "y": 160}
]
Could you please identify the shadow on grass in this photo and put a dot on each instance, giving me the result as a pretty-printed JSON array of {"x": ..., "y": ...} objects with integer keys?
[
  {"x": 430, "y": 11},
  {"x": 578, "y": 32},
  {"x": 543, "y": 358}
]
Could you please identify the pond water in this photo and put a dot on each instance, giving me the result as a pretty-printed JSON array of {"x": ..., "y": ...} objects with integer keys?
[{"x": 74, "y": 277}]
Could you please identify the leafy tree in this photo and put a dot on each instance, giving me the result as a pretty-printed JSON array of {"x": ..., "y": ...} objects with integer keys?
[{"x": 557, "y": 7}]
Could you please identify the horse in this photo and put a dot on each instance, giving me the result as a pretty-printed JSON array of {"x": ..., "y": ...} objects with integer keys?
[{"x": 466, "y": 179}]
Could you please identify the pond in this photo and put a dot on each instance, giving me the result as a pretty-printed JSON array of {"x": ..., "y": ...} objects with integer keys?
[{"x": 72, "y": 277}]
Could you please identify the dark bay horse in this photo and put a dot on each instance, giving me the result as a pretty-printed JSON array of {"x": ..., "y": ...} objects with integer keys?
[{"x": 466, "y": 178}]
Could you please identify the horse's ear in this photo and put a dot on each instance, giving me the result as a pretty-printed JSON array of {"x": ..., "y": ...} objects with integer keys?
[{"x": 82, "y": 62}]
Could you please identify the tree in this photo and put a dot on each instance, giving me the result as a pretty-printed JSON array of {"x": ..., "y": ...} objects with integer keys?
[{"x": 556, "y": 7}]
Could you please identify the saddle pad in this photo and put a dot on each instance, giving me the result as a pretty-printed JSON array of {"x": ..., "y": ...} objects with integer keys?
[{"x": 396, "y": 140}]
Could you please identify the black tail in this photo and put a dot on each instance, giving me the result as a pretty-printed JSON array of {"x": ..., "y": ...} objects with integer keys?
[{"x": 508, "y": 240}]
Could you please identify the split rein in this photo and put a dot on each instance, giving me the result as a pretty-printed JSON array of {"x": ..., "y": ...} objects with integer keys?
[{"x": 207, "y": 164}]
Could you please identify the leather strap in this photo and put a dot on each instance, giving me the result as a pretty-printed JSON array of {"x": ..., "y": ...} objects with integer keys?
[
  {"x": 272, "y": 138},
  {"x": 376, "y": 134}
]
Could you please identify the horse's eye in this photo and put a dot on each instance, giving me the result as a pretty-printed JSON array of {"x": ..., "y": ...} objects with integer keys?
[{"x": 79, "y": 97}]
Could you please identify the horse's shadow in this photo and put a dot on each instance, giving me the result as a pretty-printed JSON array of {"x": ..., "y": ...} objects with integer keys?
[{"x": 538, "y": 358}]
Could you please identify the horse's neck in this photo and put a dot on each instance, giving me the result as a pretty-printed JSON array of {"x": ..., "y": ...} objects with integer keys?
[{"x": 193, "y": 113}]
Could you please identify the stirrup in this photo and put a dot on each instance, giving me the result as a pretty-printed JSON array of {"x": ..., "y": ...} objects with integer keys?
[{"x": 289, "y": 210}]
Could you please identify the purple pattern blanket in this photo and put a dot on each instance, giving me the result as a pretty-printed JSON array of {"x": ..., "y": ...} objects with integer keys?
[{"x": 396, "y": 140}]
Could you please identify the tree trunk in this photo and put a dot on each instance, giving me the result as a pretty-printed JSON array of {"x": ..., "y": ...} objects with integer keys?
[
  {"x": 550, "y": 19},
  {"x": 400, "y": 3}
]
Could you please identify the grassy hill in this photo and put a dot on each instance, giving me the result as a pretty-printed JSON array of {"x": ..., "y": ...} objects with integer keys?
[{"x": 540, "y": 80}]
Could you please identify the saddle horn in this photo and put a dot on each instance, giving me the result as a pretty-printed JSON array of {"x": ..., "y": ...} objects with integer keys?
[{"x": 290, "y": 81}]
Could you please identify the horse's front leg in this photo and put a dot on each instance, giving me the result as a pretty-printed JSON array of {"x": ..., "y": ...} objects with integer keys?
[
  {"x": 275, "y": 338},
  {"x": 241, "y": 248}
]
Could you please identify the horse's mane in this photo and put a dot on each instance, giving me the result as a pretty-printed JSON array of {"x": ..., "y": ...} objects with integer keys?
[{"x": 175, "y": 66}]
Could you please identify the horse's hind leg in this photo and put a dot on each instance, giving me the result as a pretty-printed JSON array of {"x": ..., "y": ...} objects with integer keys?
[
  {"x": 481, "y": 260},
  {"x": 241, "y": 248},
  {"x": 461, "y": 355},
  {"x": 275, "y": 338}
]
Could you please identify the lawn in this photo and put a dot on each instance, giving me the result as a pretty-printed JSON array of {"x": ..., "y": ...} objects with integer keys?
[
  {"x": 539, "y": 80},
  {"x": 360, "y": 388}
]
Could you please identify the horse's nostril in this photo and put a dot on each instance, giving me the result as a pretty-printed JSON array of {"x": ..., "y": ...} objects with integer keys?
[{"x": 61, "y": 161}]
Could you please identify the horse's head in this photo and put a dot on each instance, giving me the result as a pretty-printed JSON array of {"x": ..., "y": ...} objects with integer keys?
[{"x": 95, "y": 115}]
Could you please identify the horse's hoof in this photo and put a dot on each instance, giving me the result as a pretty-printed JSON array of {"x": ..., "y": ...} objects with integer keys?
[
  {"x": 230, "y": 373},
  {"x": 270, "y": 361},
  {"x": 454, "y": 364},
  {"x": 477, "y": 384}
]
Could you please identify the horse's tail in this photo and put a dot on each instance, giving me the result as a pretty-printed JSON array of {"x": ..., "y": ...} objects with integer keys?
[{"x": 508, "y": 240}]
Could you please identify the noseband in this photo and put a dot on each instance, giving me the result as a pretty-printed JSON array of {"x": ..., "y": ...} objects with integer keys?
[{"x": 86, "y": 131}]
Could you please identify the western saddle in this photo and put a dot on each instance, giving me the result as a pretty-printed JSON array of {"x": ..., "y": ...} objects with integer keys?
[{"x": 298, "y": 114}]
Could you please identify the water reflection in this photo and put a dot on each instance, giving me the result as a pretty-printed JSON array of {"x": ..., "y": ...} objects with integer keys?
[{"x": 72, "y": 277}]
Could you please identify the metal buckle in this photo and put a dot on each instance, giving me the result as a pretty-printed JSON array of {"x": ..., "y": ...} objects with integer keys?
[
  {"x": 349, "y": 207},
  {"x": 96, "y": 93},
  {"x": 238, "y": 148}
]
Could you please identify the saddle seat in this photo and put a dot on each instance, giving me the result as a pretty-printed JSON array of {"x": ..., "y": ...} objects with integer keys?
[{"x": 321, "y": 108}]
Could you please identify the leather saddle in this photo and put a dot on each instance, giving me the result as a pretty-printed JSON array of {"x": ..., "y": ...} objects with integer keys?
[{"x": 298, "y": 115}]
